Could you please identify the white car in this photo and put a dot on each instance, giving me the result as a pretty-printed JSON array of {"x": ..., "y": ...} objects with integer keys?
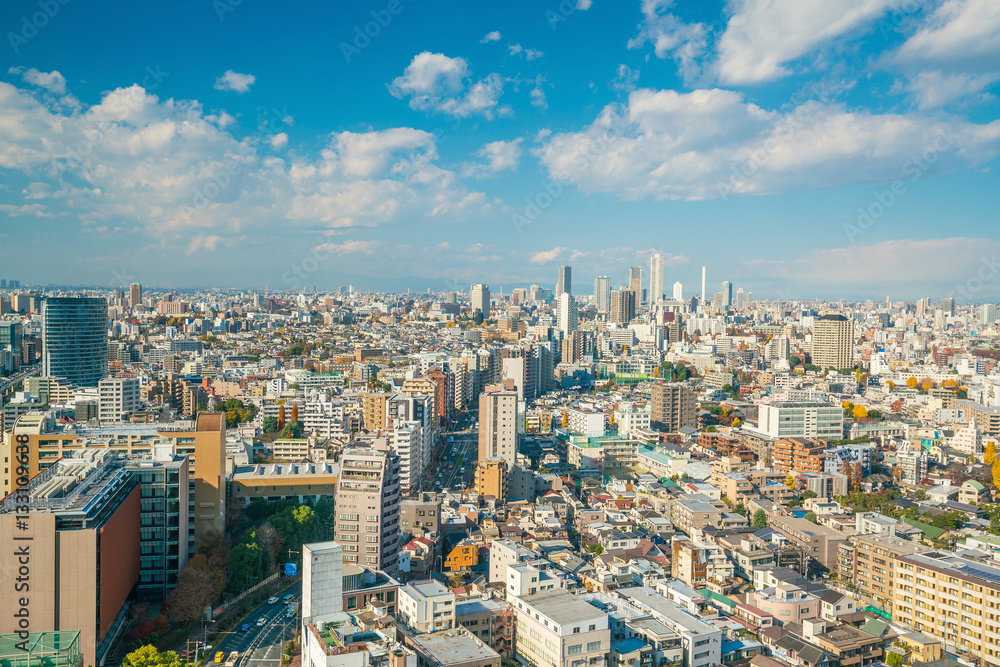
[
  {"x": 261, "y": 622},
  {"x": 273, "y": 599}
]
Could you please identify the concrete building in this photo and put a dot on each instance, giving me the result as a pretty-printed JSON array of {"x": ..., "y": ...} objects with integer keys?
[
  {"x": 656, "y": 278},
  {"x": 557, "y": 629},
  {"x": 869, "y": 563},
  {"x": 454, "y": 648},
  {"x": 622, "y": 308},
  {"x": 672, "y": 406},
  {"x": 567, "y": 313},
  {"x": 602, "y": 294},
  {"x": 492, "y": 479},
  {"x": 498, "y": 423},
  {"x": 427, "y": 606},
  {"x": 480, "y": 300},
  {"x": 702, "y": 641},
  {"x": 273, "y": 482},
  {"x": 72, "y": 535},
  {"x": 368, "y": 495},
  {"x": 833, "y": 342},
  {"x": 794, "y": 419},
  {"x": 118, "y": 397},
  {"x": 75, "y": 339},
  {"x": 322, "y": 579},
  {"x": 819, "y": 542},
  {"x": 564, "y": 281}
]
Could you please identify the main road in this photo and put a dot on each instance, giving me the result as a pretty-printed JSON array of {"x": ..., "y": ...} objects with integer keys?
[{"x": 263, "y": 642}]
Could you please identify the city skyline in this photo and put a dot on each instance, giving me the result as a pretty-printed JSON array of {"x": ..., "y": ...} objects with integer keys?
[{"x": 414, "y": 157}]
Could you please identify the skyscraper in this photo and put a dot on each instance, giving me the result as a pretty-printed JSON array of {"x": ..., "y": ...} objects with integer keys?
[
  {"x": 481, "y": 300},
  {"x": 564, "y": 280},
  {"x": 703, "y": 284},
  {"x": 622, "y": 306},
  {"x": 368, "y": 505},
  {"x": 567, "y": 313},
  {"x": 602, "y": 294},
  {"x": 135, "y": 294},
  {"x": 635, "y": 283},
  {"x": 678, "y": 291},
  {"x": 739, "y": 299},
  {"x": 833, "y": 341},
  {"x": 498, "y": 423},
  {"x": 75, "y": 339},
  {"x": 727, "y": 294},
  {"x": 656, "y": 278}
]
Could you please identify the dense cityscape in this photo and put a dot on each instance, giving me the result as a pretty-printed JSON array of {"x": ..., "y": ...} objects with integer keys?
[{"x": 678, "y": 479}]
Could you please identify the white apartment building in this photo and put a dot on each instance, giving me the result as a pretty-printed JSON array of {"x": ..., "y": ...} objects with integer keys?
[
  {"x": 630, "y": 420},
  {"x": 118, "y": 398},
  {"x": 585, "y": 421},
  {"x": 408, "y": 441},
  {"x": 790, "y": 419},
  {"x": 427, "y": 606},
  {"x": 702, "y": 641},
  {"x": 557, "y": 629}
]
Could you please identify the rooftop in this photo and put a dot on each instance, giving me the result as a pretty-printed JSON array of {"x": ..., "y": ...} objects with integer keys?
[
  {"x": 454, "y": 647},
  {"x": 562, "y": 607}
]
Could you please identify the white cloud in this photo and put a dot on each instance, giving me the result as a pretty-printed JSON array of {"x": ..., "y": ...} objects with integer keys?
[
  {"x": 279, "y": 140},
  {"x": 235, "y": 82},
  {"x": 53, "y": 81},
  {"x": 625, "y": 78},
  {"x": 497, "y": 156},
  {"x": 762, "y": 37},
  {"x": 493, "y": 36},
  {"x": 537, "y": 94},
  {"x": 584, "y": 5},
  {"x": 165, "y": 168},
  {"x": 712, "y": 143},
  {"x": 959, "y": 32},
  {"x": 33, "y": 210},
  {"x": 436, "y": 82},
  {"x": 348, "y": 248},
  {"x": 937, "y": 89},
  {"x": 529, "y": 54},
  {"x": 546, "y": 256},
  {"x": 686, "y": 43}
]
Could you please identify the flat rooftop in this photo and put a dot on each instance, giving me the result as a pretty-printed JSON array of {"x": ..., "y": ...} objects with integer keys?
[
  {"x": 562, "y": 607},
  {"x": 454, "y": 647}
]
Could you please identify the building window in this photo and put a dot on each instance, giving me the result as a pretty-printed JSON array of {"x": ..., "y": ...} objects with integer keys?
[
  {"x": 575, "y": 648},
  {"x": 594, "y": 646}
]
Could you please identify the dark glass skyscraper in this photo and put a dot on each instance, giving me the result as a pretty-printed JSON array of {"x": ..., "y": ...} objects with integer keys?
[{"x": 75, "y": 339}]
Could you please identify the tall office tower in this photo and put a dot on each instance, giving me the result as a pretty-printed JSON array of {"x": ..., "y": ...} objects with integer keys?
[
  {"x": 135, "y": 294},
  {"x": 602, "y": 294},
  {"x": 703, "y": 293},
  {"x": 635, "y": 283},
  {"x": 75, "y": 339},
  {"x": 498, "y": 423},
  {"x": 368, "y": 508},
  {"x": 12, "y": 334},
  {"x": 948, "y": 305},
  {"x": 656, "y": 278},
  {"x": 833, "y": 341},
  {"x": 451, "y": 297},
  {"x": 987, "y": 315},
  {"x": 481, "y": 300},
  {"x": 672, "y": 406},
  {"x": 322, "y": 579},
  {"x": 678, "y": 291},
  {"x": 564, "y": 281},
  {"x": 921, "y": 307},
  {"x": 622, "y": 306},
  {"x": 567, "y": 313},
  {"x": 739, "y": 299},
  {"x": 727, "y": 294}
]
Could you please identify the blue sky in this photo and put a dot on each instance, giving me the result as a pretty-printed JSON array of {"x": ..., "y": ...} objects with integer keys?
[{"x": 799, "y": 148}]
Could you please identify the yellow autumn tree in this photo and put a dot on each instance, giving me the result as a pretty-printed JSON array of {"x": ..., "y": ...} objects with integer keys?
[
  {"x": 860, "y": 412},
  {"x": 949, "y": 383},
  {"x": 927, "y": 384},
  {"x": 996, "y": 473},
  {"x": 912, "y": 383},
  {"x": 990, "y": 453},
  {"x": 890, "y": 385},
  {"x": 737, "y": 423}
]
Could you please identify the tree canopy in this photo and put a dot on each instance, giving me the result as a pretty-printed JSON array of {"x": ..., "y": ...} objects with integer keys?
[{"x": 148, "y": 656}]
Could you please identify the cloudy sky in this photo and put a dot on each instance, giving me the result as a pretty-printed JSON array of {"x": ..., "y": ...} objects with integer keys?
[{"x": 799, "y": 148}]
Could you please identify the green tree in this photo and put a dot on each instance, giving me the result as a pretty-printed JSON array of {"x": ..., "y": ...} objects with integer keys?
[
  {"x": 247, "y": 566},
  {"x": 270, "y": 424},
  {"x": 894, "y": 659},
  {"x": 595, "y": 549},
  {"x": 148, "y": 656},
  {"x": 811, "y": 516},
  {"x": 808, "y": 494},
  {"x": 759, "y": 519},
  {"x": 741, "y": 509}
]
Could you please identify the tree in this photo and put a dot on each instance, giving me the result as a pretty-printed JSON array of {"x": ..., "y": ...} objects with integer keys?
[
  {"x": 281, "y": 416},
  {"x": 710, "y": 429},
  {"x": 860, "y": 412},
  {"x": 808, "y": 494},
  {"x": 148, "y": 656},
  {"x": 295, "y": 412},
  {"x": 759, "y": 519},
  {"x": 248, "y": 565},
  {"x": 811, "y": 516},
  {"x": 894, "y": 659},
  {"x": 271, "y": 541},
  {"x": 736, "y": 422},
  {"x": 927, "y": 384},
  {"x": 890, "y": 385},
  {"x": 741, "y": 509},
  {"x": 194, "y": 591},
  {"x": 214, "y": 568},
  {"x": 790, "y": 482},
  {"x": 270, "y": 424},
  {"x": 990, "y": 454},
  {"x": 996, "y": 473},
  {"x": 911, "y": 383}
]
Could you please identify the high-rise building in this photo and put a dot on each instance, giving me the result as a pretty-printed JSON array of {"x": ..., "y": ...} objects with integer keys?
[
  {"x": 119, "y": 398},
  {"x": 622, "y": 306},
  {"x": 678, "y": 291},
  {"x": 322, "y": 580},
  {"x": 794, "y": 419},
  {"x": 739, "y": 299},
  {"x": 656, "y": 278},
  {"x": 12, "y": 334},
  {"x": 635, "y": 283},
  {"x": 948, "y": 305},
  {"x": 727, "y": 294},
  {"x": 987, "y": 316},
  {"x": 703, "y": 293},
  {"x": 672, "y": 406},
  {"x": 567, "y": 313},
  {"x": 564, "y": 281},
  {"x": 498, "y": 423},
  {"x": 75, "y": 339},
  {"x": 135, "y": 294},
  {"x": 833, "y": 341},
  {"x": 368, "y": 508},
  {"x": 602, "y": 294},
  {"x": 481, "y": 300}
]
